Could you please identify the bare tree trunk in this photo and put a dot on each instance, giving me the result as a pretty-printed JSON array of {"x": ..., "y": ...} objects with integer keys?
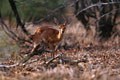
[{"x": 19, "y": 22}]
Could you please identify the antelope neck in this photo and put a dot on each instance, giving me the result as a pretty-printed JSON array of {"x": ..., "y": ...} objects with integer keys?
[{"x": 60, "y": 34}]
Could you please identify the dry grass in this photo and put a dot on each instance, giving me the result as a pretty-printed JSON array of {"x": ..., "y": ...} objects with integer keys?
[{"x": 96, "y": 60}]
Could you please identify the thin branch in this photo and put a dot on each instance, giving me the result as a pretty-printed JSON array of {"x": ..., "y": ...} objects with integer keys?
[
  {"x": 106, "y": 14},
  {"x": 94, "y": 5}
]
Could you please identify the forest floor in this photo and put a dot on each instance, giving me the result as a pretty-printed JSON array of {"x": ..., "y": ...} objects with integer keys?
[{"x": 82, "y": 59}]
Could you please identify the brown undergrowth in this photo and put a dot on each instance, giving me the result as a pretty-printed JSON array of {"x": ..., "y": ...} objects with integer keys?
[{"x": 83, "y": 58}]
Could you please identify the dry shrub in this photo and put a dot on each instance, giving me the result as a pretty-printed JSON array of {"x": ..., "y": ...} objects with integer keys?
[{"x": 77, "y": 36}]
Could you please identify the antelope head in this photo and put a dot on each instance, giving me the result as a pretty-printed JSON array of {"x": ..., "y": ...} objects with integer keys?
[{"x": 62, "y": 28}]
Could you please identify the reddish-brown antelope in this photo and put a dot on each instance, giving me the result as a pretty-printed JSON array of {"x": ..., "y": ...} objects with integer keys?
[{"x": 49, "y": 36}]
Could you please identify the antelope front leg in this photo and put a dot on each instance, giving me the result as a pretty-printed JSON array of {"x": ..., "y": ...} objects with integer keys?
[
  {"x": 35, "y": 47},
  {"x": 57, "y": 46}
]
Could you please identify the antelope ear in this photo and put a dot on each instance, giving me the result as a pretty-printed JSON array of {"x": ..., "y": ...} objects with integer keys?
[
  {"x": 65, "y": 21},
  {"x": 56, "y": 21}
]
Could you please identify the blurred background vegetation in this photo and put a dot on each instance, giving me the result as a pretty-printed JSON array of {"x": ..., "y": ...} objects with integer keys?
[{"x": 30, "y": 9}]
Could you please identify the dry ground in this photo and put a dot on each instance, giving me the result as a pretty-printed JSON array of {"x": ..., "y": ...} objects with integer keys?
[{"x": 83, "y": 58}]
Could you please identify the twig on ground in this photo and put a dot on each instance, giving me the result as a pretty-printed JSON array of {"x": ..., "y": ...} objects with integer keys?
[
  {"x": 48, "y": 62},
  {"x": 70, "y": 61},
  {"x": 8, "y": 66}
]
